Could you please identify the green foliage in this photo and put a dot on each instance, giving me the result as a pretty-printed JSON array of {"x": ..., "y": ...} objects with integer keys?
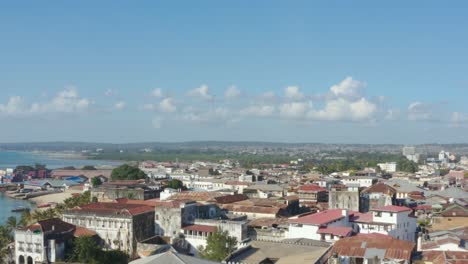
[
  {"x": 69, "y": 168},
  {"x": 88, "y": 167},
  {"x": 466, "y": 175},
  {"x": 12, "y": 223},
  {"x": 218, "y": 246},
  {"x": 86, "y": 250},
  {"x": 5, "y": 239},
  {"x": 406, "y": 165},
  {"x": 39, "y": 215},
  {"x": 24, "y": 168},
  {"x": 96, "y": 181},
  {"x": 39, "y": 166},
  {"x": 214, "y": 172},
  {"x": 175, "y": 184},
  {"x": 126, "y": 172}
]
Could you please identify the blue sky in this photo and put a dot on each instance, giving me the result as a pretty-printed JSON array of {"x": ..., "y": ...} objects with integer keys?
[{"x": 289, "y": 71}]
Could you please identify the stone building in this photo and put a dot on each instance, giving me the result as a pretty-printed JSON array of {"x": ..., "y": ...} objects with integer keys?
[
  {"x": 121, "y": 226},
  {"x": 110, "y": 191},
  {"x": 376, "y": 196},
  {"x": 343, "y": 197},
  {"x": 171, "y": 216}
]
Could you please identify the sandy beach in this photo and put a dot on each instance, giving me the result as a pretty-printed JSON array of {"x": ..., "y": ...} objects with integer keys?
[{"x": 55, "y": 197}]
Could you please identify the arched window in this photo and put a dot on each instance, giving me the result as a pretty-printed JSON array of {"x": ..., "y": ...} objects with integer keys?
[
  {"x": 30, "y": 260},
  {"x": 21, "y": 260}
]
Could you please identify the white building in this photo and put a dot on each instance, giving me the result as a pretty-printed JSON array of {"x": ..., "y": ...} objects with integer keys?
[
  {"x": 42, "y": 242},
  {"x": 395, "y": 221},
  {"x": 389, "y": 167},
  {"x": 329, "y": 225},
  {"x": 360, "y": 181}
]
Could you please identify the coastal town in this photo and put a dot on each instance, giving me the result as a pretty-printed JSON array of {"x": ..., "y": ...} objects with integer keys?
[{"x": 233, "y": 213}]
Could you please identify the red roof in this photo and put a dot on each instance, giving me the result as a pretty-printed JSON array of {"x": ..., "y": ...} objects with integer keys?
[
  {"x": 201, "y": 228},
  {"x": 423, "y": 207},
  {"x": 237, "y": 183},
  {"x": 114, "y": 208},
  {"x": 358, "y": 246},
  {"x": 311, "y": 188},
  {"x": 392, "y": 209},
  {"x": 340, "y": 231},
  {"x": 82, "y": 231},
  {"x": 362, "y": 217},
  {"x": 320, "y": 218}
]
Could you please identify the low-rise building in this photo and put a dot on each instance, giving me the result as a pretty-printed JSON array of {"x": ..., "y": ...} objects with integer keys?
[
  {"x": 329, "y": 225},
  {"x": 371, "y": 248}
]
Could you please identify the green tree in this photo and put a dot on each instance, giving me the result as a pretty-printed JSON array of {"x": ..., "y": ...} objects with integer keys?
[
  {"x": 5, "y": 240},
  {"x": 175, "y": 184},
  {"x": 218, "y": 246},
  {"x": 12, "y": 223},
  {"x": 85, "y": 250},
  {"x": 88, "y": 167},
  {"x": 96, "y": 181},
  {"x": 126, "y": 172}
]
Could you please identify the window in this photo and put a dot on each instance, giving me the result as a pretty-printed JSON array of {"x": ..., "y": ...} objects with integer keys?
[
  {"x": 391, "y": 214},
  {"x": 378, "y": 214}
]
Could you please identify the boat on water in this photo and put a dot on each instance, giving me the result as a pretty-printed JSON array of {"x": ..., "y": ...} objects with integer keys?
[
  {"x": 20, "y": 209},
  {"x": 45, "y": 205}
]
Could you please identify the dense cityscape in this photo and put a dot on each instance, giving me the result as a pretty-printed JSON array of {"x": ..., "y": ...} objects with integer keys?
[
  {"x": 406, "y": 209},
  {"x": 234, "y": 132}
]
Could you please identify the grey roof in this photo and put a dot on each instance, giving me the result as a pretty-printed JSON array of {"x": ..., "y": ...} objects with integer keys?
[
  {"x": 266, "y": 187},
  {"x": 283, "y": 253},
  {"x": 172, "y": 257}
]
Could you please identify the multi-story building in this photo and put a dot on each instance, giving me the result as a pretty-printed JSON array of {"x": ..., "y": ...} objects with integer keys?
[
  {"x": 121, "y": 226},
  {"x": 343, "y": 197},
  {"x": 396, "y": 221},
  {"x": 328, "y": 225},
  {"x": 376, "y": 196},
  {"x": 389, "y": 167},
  {"x": 311, "y": 194},
  {"x": 43, "y": 242}
]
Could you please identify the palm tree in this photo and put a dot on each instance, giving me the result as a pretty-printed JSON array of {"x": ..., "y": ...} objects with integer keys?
[{"x": 12, "y": 223}]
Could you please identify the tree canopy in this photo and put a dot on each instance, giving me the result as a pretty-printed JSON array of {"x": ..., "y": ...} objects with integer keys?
[
  {"x": 175, "y": 184},
  {"x": 88, "y": 167},
  {"x": 127, "y": 172},
  {"x": 218, "y": 246},
  {"x": 86, "y": 250},
  {"x": 96, "y": 181}
]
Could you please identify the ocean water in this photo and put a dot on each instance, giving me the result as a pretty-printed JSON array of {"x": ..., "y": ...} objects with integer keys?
[
  {"x": 7, "y": 204},
  {"x": 10, "y": 159}
]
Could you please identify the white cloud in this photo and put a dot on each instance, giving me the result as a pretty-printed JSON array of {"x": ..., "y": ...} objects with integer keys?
[
  {"x": 167, "y": 105},
  {"x": 293, "y": 93},
  {"x": 258, "y": 110},
  {"x": 343, "y": 110},
  {"x": 66, "y": 101},
  {"x": 348, "y": 88},
  {"x": 120, "y": 105},
  {"x": 268, "y": 95},
  {"x": 158, "y": 93},
  {"x": 418, "y": 111},
  {"x": 201, "y": 92},
  {"x": 15, "y": 105},
  {"x": 232, "y": 93},
  {"x": 294, "y": 109},
  {"x": 458, "y": 117}
]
